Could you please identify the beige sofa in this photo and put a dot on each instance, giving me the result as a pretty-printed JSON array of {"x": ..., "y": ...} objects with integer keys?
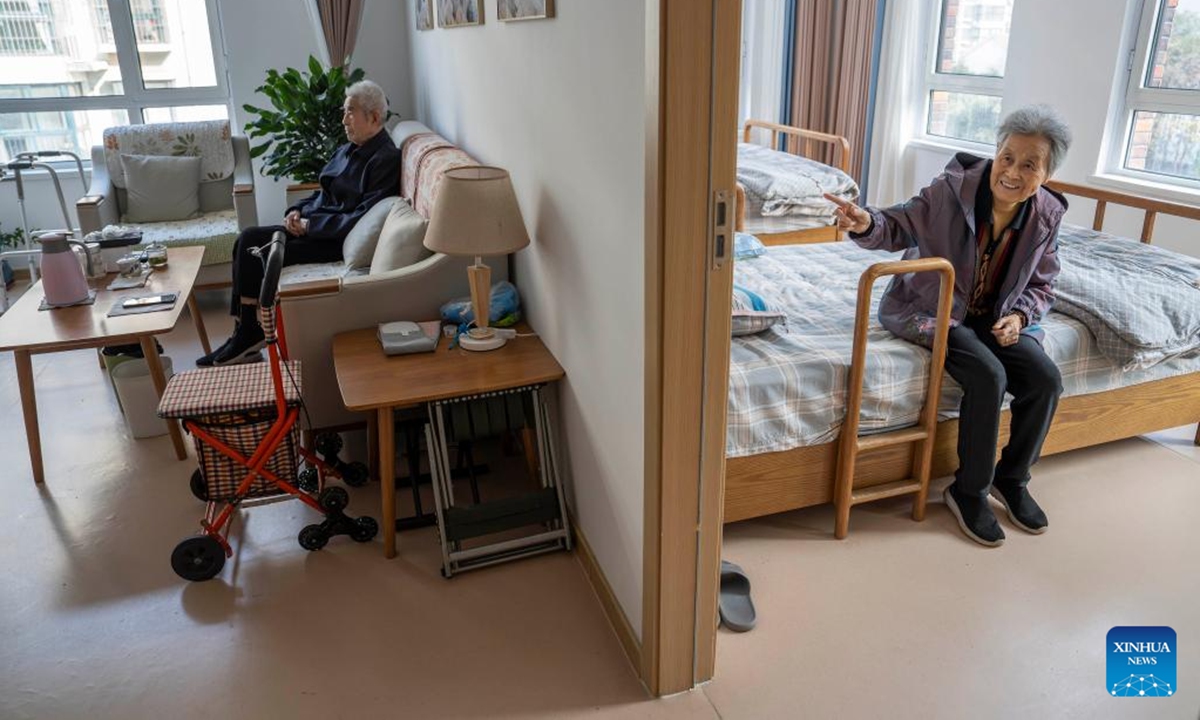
[{"x": 321, "y": 301}]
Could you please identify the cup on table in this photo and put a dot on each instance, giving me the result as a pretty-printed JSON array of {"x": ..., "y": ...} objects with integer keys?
[{"x": 130, "y": 265}]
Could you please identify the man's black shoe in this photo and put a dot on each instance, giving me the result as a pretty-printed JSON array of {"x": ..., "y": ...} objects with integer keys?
[
  {"x": 243, "y": 347},
  {"x": 1022, "y": 509},
  {"x": 207, "y": 360},
  {"x": 975, "y": 517}
]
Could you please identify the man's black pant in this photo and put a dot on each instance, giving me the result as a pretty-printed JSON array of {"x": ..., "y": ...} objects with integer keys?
[
  {"x": 248, "y": 270},
  {"x": 985, "y": 370}
]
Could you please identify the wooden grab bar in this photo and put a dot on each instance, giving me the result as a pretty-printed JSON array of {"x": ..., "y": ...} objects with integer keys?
[{"x": 849, "y": 444}]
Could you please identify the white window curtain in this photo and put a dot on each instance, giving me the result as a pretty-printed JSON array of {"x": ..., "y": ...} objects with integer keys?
[
  {"x": 762, "y": 60},
  {"x": 898, "y": 93}
]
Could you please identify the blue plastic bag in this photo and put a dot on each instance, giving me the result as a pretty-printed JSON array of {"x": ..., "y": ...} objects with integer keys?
[{"x": 504, "y": 308}]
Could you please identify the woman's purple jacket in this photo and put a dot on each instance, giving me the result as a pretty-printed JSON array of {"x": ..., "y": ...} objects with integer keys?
[{"x": 940, "y": 222}]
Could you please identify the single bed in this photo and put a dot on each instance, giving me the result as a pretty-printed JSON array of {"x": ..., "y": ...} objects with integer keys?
[
  {"x": 779, "y": 194},
  {"x": 788, "y": 389}
]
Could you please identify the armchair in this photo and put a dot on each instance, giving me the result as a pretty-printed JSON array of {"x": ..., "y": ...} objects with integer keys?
[{"x": 226, "y": 192}]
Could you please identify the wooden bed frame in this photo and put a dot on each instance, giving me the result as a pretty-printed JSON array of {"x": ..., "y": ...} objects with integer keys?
[
  {"x": 805, "y": 143},
  {"x": 777, "y": 482}
]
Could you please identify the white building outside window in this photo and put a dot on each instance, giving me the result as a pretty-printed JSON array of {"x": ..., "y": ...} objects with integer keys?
[
  {"x": 968, "y": 49},
  {"x": 1156, "y": 134},
  {"x": 71, "y": 68}
]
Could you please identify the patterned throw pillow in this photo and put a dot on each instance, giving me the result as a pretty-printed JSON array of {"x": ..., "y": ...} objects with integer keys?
[{"x": 752, "y": 314}]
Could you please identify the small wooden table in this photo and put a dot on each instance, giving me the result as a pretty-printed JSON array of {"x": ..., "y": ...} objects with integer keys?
[
  {"x": 28, "y": 331},
  {"x": 371, "y": 381}
]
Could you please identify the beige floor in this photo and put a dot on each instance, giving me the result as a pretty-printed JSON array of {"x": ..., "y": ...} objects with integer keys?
[{"x": 900, "y": 620}]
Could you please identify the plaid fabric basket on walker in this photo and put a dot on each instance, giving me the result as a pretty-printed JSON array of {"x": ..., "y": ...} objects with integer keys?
[{"x": 244, "y": 420}]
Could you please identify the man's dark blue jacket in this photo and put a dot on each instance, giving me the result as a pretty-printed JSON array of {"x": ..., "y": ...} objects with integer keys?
[{"x": 357, "y": 177}]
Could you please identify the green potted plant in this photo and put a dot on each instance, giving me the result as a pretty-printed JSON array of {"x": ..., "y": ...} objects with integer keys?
[
  {"x": 10, "y": 239},
  {"x": 303, "y": 127}
]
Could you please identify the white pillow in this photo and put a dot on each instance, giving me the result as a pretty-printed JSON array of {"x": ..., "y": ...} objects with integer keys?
[
  {"x": 161, "y": 187},
  {"x": 359, "y": 246},
  {"x": 401, "y": 240}
]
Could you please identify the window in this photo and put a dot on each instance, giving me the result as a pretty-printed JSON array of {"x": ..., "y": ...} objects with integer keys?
[
  {"x": 71, "y": 68},
  {"x": 966, "y": 75},
  {"x": 1160, "y": 125}
]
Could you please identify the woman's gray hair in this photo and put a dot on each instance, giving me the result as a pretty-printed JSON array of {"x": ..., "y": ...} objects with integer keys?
[
  {"x": 1041, "y": 120},
  {"x": 370, "y": 97}
]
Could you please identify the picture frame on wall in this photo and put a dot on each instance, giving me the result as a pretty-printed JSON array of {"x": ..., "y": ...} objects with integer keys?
[
  {"x": 511, "y": 10},
  {"x": 459, "y": 13},
  {"x": 425, "y": 19}
]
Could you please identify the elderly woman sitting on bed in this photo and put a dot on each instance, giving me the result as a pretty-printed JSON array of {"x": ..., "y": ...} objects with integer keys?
[{"x": 997, "y": 224}]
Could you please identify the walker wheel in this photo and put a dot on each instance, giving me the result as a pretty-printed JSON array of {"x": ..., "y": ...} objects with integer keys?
[
  {"x": 308, "y": 480},
  {"x": 365, "y": 529},
  {"x": 328, "y": 445},
  {"x": 333, "y": 499},
  {"x": 313, "y": 537},
  {"x": 355, "y": 474},
  {"x": 198, "y": 558},
  {"x": 199, "y": 485}
]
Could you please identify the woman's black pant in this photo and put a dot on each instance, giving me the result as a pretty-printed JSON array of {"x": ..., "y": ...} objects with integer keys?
[
  {"x": 248, "y": 270},
  {"x": 985, "y": 370}
]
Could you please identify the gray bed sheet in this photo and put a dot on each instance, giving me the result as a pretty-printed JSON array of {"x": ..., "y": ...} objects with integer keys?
[{"x": 787, "y": 385}]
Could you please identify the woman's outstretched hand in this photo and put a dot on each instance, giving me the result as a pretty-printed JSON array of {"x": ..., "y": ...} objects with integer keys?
[{"x": 850, "y": 216}]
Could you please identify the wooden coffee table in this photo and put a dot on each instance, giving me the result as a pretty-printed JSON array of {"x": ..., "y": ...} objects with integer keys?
[{"x": 28, "y": 331}]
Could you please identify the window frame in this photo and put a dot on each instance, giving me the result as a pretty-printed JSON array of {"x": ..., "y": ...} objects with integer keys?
[
  {"x": 935, "y": 81},
  {"x": 135, "y": 98},
  {"x": 1135, "y": 97}
]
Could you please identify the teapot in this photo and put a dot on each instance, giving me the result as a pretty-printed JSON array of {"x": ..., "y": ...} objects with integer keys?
[{"x": 62, "y": 278}]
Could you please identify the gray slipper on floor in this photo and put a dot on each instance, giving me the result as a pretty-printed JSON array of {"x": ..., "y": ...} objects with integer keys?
[{"x": 736, "y": 609}]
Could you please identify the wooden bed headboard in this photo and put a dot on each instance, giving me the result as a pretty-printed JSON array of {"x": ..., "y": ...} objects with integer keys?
[
  {"x": 1151, "y": 208},
  {"x": 811, "y": 141}
]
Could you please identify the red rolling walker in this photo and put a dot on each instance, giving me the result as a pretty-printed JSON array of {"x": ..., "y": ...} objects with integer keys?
[{"x": 244, "y": 422}]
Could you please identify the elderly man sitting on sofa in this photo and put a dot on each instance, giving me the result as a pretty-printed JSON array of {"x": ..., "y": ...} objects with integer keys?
[{"x": 361, "y": 173}]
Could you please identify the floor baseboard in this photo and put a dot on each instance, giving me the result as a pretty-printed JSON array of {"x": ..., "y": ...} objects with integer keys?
[{"x": 608, "y": 601}]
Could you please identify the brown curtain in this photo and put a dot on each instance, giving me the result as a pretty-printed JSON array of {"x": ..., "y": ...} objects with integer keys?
[
  {"x": 339, "y": 22},
  {"x": 831, "y": 78}
]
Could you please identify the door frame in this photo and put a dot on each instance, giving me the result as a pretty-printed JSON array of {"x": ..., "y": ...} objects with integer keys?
[{"x": 692, "y": 65}]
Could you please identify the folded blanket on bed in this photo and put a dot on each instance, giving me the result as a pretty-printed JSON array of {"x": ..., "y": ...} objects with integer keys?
[
  {"x": 1141, "y": 302},
  {"x": 779, "y": 183}
]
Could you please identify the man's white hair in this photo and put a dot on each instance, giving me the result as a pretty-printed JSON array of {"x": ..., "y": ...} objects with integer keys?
[{"x": 370, "y": 98}]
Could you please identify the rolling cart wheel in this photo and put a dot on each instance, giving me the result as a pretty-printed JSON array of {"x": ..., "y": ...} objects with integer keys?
[
  {"x": 313, "y": 537},
  {"x": 328, "y": 445},
  {"x": 308, "y": 480},
  {"x": 355, "y": 474},
  {"x": 199, "y": 486},
  {"x": 198, "y": 558},
  {"x": 334, "y": 499},
  {"x": 365, "y": 529}
]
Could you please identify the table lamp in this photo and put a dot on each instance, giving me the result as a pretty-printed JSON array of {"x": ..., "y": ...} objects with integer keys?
[{"x": 476, "y": 213}]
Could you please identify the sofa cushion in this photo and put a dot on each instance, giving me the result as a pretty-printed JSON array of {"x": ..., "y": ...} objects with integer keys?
[
  {"x": 359, "y": 245},
  {"x": 216, "y": 231},
  {"x": 161, "y": 188},
  {"x": 401, "y": 241}
]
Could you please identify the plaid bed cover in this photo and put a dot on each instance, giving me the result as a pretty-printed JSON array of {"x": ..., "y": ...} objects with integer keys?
[{"x": 787, "y": 386}]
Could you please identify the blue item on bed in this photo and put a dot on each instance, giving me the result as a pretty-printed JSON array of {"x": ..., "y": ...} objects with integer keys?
[{"x": 746, "y": 246}]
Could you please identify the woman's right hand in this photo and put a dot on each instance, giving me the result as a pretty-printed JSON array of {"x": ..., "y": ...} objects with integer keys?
[{"x": 850, "y": 217}]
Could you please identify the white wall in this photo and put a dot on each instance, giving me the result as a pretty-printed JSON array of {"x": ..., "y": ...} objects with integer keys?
[
  {"x": 560, "y": 104},
  {"x": 258, "y": 35},
  {"x": 1065, "y": 53}
]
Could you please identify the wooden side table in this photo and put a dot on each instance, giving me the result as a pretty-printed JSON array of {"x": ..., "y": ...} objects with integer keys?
[{"x": 373, "y": 382}]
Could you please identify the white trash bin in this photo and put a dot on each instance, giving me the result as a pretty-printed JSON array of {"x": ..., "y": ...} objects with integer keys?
[{"x": 135, "y": 388}]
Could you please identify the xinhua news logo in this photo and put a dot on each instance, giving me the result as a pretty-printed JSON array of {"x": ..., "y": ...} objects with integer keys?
[{"x": 1141, "y": 662}]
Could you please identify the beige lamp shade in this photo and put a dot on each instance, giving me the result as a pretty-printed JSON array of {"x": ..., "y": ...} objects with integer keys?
[{"x": 476, "y": 213}]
